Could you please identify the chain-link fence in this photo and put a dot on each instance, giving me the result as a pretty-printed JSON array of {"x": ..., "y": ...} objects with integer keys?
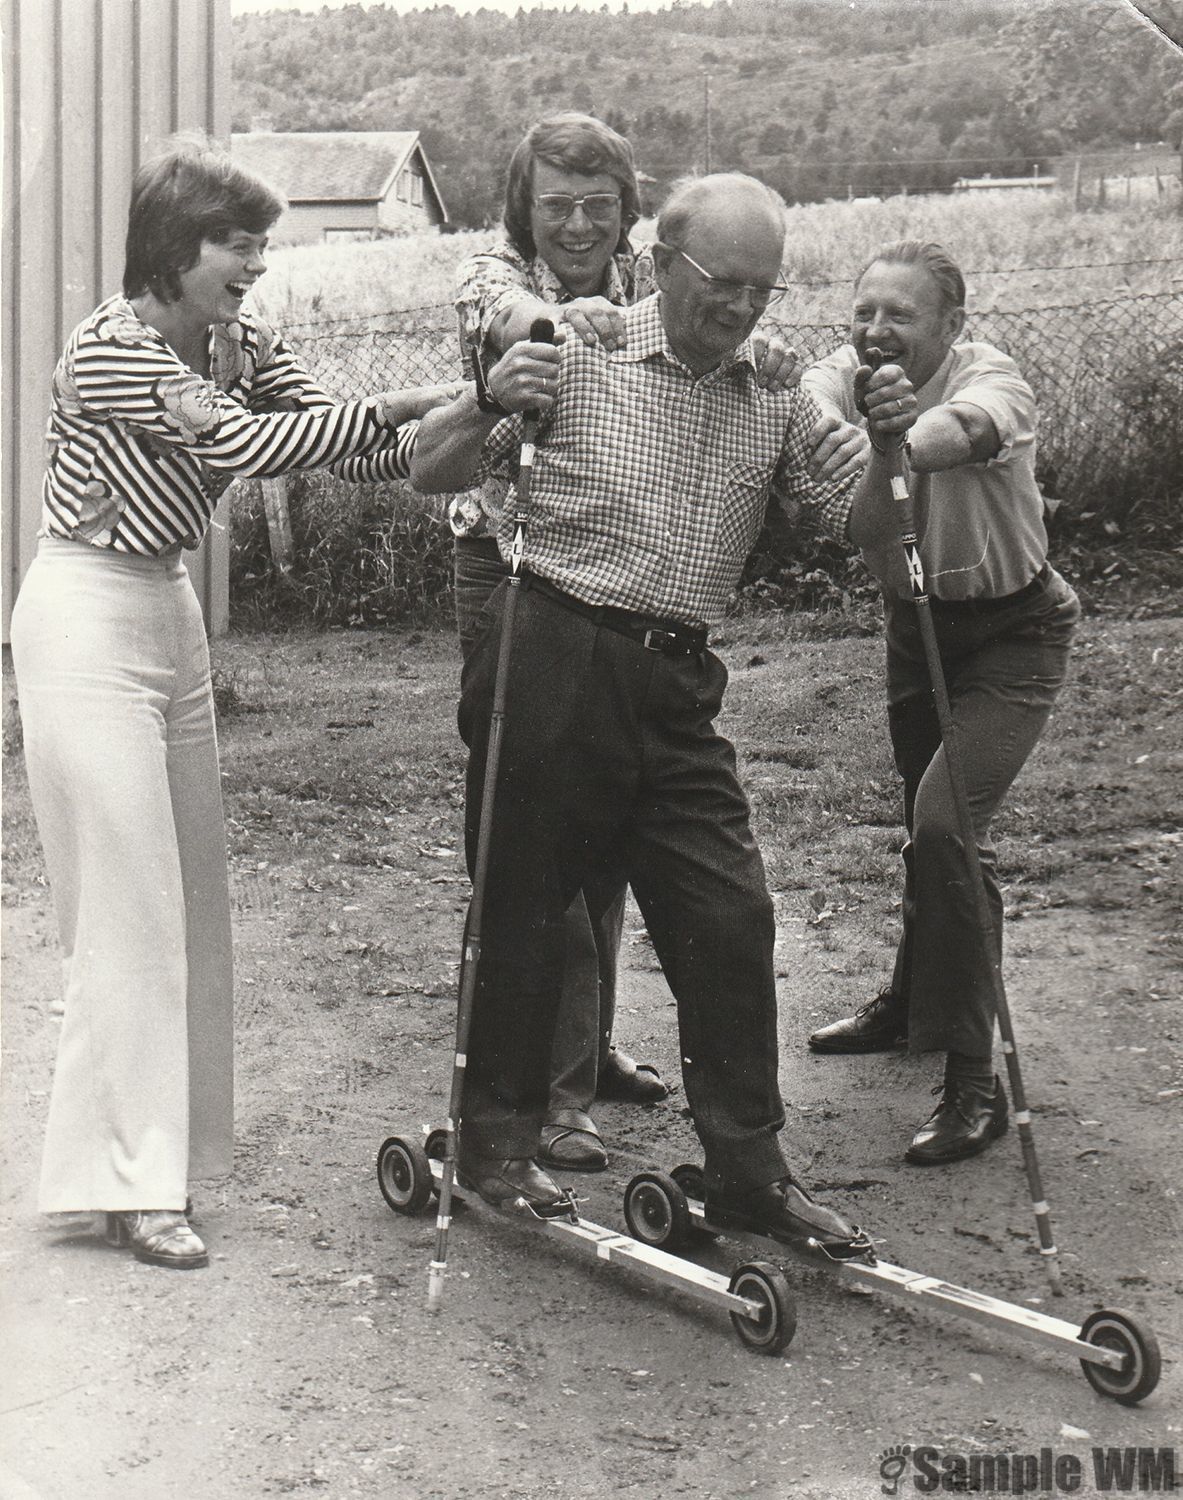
[{"x": 1107, "y": 375}]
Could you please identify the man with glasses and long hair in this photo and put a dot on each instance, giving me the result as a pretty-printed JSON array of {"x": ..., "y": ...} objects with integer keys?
[
  {"x": 656, "y": 465},
  {"x": 571, "y": 201}
]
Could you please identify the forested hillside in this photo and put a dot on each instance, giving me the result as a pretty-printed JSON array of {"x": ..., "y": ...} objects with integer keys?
[{"x": 820, "y": 97}]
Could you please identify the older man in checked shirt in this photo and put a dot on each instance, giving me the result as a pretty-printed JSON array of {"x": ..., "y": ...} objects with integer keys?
[{"x": 655, "y": 469}]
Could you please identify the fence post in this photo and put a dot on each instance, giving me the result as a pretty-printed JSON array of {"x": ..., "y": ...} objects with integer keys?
[{"x": 279, "y": 526}]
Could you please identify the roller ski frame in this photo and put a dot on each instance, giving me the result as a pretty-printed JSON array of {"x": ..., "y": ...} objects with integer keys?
[
  {"x": 756, "y": 1296},
  {"x": 1120, "y": 1358}
]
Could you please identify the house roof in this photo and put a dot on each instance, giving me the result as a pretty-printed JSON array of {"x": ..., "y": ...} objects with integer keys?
[{"x": 329, "y": 166}]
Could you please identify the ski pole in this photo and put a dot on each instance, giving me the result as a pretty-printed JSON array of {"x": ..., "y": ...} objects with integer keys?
[
  {"x": 902, "y": 495},
  {"x": 541, "y": 332}
]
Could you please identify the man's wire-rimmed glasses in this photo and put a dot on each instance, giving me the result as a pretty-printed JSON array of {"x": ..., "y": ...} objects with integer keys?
[{"x": 762, "y": 297}]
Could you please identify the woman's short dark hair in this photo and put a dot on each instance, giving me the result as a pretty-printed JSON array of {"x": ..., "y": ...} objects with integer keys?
[
  {"x": 574, "y": 143},
  {"x": 935, "y": 259},
  {"x": 190, "y": 193}
]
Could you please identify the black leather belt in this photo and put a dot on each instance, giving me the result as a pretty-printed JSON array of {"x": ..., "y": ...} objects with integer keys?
[
  {"x": 989, "y": 606},
  {"x": 670, "y": 637}
]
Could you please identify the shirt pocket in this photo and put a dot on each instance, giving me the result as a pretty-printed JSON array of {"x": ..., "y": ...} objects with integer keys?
[{"x": 742, "y": 503}]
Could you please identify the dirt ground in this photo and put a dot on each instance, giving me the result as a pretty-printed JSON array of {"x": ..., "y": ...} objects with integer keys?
[{"x": 304, "y": 1360}]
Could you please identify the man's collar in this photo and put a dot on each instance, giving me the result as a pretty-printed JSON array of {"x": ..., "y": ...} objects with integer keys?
[
  {"x": 551, "y": 289},
  {"x": 930, "y": 393},
  {"x": 647, "y": 336}
]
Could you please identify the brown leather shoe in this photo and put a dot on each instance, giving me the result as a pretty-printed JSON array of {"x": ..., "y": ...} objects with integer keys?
[
  {"x": 878, "y": 1026},
  {"x": 964, "y": 1122},
  {"x": 515, "y": 1185},
  {"x": 781, "y": 1210},
  {"x": 632, "y": 1082}
]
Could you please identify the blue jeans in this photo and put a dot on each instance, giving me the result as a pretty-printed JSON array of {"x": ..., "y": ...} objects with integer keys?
[
  {"x": 583, "y": 1032},
  {"x": 611, "y": 770},
  {"x": 1004, "y": 669}
]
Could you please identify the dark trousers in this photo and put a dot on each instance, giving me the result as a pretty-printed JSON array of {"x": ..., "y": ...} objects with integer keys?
[
  {"x": 587, "y": 1008},
  {"x": 1004, "y": 669},
  {"x": 611, "y": 769}
]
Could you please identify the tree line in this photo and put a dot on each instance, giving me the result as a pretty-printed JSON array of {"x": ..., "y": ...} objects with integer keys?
[{"x": 819, "y": 99}]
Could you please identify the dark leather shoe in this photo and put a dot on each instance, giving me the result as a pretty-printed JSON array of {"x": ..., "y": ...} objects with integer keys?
[
  {"x": 781, "y": 1210},
  {"x": 878, "y": 1026},
  {"x": 963, "y": 1123},
  {"x": 632, "y": 1082},
  {"x": 518, "y": 1184},
  {"x": 571, "y": 1148}
]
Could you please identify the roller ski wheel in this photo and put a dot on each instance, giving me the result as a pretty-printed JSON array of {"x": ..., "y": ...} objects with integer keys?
[
  {"x": 765, "y": 1284},
  {"x": 690, "y": 1179},
  {"x": 656, "y": 1211},
  {"x": 404, "y": 1175},
  {"x": 1139, "y": 1374}
]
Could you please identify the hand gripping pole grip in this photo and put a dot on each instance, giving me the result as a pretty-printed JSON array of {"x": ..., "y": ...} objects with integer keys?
[{"x": 542, "y": 331}]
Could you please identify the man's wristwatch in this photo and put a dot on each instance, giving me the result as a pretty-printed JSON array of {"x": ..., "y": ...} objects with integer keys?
[{"x": 485, "y": 398}]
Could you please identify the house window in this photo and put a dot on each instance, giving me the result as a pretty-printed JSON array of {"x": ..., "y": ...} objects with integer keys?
[
  {"x": 400, "y": 187},
  {"x": 416, "y": 190}
]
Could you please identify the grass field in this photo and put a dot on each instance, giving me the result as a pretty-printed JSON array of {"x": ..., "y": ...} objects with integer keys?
[{"x": 828, "y": 243}]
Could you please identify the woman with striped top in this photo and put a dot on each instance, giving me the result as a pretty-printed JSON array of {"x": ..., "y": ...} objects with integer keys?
[{"x": 162, "y": 396}]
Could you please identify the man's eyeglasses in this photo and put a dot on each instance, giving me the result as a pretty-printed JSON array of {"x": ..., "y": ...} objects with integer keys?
[
  {"x": 557, "y": 208},
  {"x": 762, "y": 297}
]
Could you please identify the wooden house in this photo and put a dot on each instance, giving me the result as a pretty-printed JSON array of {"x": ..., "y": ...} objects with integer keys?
[{"x": 345, "y": 184}]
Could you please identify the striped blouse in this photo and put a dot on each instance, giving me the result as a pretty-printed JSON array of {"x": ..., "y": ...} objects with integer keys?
[{"x": 141, "y": 446}]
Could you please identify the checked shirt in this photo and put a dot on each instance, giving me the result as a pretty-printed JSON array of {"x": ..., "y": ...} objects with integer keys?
[
  {"x": 488, "y": 284},
  {"x": 651, "y": 484}
]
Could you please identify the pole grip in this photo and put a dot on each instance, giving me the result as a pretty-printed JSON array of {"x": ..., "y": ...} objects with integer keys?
[{"x": 542, "y": 331}]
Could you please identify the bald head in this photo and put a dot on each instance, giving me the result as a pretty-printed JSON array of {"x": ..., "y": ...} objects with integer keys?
[
  {"x": 729, "y": 205},
  {"x": 720, "y": 242}
]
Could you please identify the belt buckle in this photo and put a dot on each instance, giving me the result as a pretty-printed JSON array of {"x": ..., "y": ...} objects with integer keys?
[{"x": 665, "y": 639}]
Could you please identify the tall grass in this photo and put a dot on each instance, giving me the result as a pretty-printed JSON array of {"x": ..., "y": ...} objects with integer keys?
[
  {"x": 987, "y": 233},
  {"x": 827, "y": 245},
  {"x": 314, "y": 283},
  {"x": 364, "y": 554}
]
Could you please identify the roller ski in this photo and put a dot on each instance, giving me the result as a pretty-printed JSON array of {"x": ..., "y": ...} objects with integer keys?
[
  {"x": 755, "y": 1296},
  {"x": 1120, "y": 1357}
]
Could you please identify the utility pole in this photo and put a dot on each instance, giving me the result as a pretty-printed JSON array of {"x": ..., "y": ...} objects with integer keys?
[{"x": 706, "y": 96}]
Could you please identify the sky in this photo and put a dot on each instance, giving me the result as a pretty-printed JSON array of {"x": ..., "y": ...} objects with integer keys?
[{"x": 508, "y": 7}]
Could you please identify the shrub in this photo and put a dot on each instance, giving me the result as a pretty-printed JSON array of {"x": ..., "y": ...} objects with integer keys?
[{"x": 365, "y": 554}]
